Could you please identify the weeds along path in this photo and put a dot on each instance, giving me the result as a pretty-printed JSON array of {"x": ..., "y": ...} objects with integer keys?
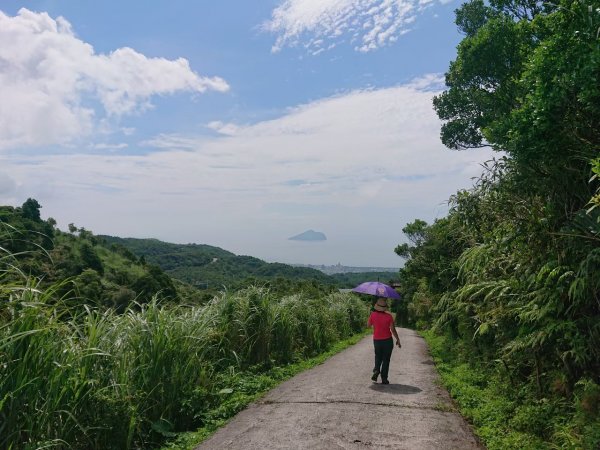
[{"x": 337, "y": 406}]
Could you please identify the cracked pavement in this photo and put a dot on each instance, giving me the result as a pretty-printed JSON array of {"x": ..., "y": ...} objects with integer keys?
[{"x": 336, "y": 406}]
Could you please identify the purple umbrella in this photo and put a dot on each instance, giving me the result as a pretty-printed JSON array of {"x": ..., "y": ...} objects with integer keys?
[{"x": 376, "y": 288}]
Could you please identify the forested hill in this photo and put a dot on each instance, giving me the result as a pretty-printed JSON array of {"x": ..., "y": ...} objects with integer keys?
[
  {"x": 205, "y": 266},
  {"x": 114, "y": 272},
  {"x": 78, "y": 265}
]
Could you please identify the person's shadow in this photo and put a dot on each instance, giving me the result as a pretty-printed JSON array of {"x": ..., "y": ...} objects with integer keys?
[{"x": 393, "y": 388}]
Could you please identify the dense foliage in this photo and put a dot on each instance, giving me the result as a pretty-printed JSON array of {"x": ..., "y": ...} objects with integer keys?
[
  {"x": 512, "y": 275},
  {"x": 93, "y": 378},
  {"x": 98, "y": 350}
]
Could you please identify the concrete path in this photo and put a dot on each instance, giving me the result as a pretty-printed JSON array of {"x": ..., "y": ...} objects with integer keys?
[{"x": 337, "y": 406}]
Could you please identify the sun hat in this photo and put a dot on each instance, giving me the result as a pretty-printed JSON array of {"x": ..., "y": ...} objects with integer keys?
[{"x": 379, "y": 304}]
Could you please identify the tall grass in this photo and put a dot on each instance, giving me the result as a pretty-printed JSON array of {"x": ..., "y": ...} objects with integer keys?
[{"x": 80, "y": 377}]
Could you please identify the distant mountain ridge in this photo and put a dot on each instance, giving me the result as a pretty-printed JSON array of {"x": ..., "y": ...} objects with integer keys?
[{"x": 207, "y": 266}]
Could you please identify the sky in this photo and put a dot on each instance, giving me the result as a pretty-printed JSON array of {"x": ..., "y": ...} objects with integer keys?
[{"x": 232, "y": 123}]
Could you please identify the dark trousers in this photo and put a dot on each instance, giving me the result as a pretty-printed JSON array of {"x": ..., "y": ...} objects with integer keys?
[{"x": 383, "y": 353}]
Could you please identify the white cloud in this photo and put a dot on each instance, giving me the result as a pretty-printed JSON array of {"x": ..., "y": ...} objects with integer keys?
[
  {"x": 48, "y": 77},
  {"x": 105, "y": 146},
  {"x": 223, "y": 128},
  {"x": 429, "y": 82},
  {"x": 321, "y": 24},
  {"x": 362, "y": 163}
]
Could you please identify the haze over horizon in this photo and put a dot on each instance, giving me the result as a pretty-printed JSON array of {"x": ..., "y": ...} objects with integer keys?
[{"x": 234, "y": 124}]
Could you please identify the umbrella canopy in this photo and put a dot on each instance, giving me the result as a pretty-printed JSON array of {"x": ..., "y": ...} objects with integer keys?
[{"x": 376, "y": 288}]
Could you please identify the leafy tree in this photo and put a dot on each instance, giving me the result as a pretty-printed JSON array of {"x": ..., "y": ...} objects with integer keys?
[
  {"x": 526, "y": 83},
  {"x": 416, "y": 233},
  {"x": 430, "y": 269},
  {"x": 353, "y": 279},
  {"x": 31, "y": 209},
  {"x": 97, "y": 272},
  {"x": 23, "y": 230}
]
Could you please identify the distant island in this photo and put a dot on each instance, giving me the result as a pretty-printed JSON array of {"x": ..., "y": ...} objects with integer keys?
[{"x": 310, "y": 235}]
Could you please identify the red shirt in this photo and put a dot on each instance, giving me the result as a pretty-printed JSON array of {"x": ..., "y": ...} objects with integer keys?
[{"x": 382, "y": 323}]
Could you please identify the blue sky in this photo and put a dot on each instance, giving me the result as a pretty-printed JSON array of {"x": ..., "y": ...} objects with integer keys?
[{"x": 232, "y": 123}]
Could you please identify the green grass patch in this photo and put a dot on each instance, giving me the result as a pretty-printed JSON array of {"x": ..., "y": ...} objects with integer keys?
[{"x": 238, "y": 389}]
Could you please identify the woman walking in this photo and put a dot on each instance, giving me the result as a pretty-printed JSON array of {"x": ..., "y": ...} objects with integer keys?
[{"x": 383, "y": 329}]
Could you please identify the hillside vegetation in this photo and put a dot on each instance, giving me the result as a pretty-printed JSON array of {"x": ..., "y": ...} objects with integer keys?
[
  {"x": 79, "y": 263},
  {"x": 99, "y": 350},
  {"x": 509, "y": 282},
  {"x": 115, "y": 272},
  {"x": 209, "y": 267}
]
